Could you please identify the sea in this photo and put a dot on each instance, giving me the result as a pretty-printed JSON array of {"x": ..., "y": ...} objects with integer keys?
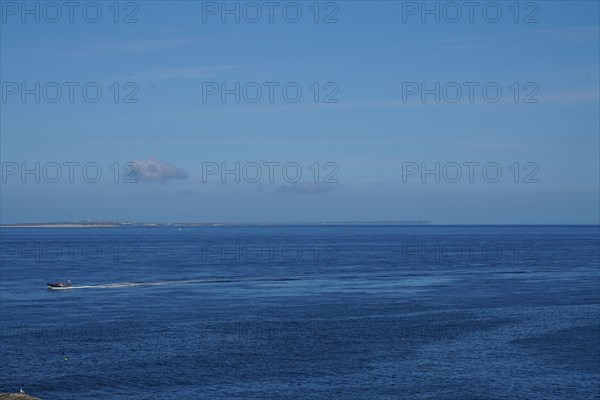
[{"x": 301, "y": 312}]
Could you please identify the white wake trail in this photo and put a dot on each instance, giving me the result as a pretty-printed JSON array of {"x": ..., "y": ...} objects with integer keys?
[{"x": 176, "y": 282}]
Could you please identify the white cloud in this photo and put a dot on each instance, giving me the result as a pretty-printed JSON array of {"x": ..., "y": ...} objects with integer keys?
[{"x": 153, "y": 170}]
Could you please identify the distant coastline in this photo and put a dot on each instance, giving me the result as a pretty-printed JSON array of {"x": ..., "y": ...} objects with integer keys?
[{"x": 120, "y": 224}]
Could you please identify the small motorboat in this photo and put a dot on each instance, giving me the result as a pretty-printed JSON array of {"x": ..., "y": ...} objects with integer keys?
[{"x": 59, "y": 285}]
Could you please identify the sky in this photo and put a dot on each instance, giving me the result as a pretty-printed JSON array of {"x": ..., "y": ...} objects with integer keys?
[{"x": 194, "y": 111}]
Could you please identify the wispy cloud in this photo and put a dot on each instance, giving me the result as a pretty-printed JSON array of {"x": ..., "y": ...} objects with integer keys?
[
  {"x": 188, "y": 72},
  {"x": 559, "y": 35},
  {"x": 306, "y": 188},
  {"x": 191, "y": 72},
  {"x": 187, "y": 192},
  {"x": 565, "y": 97},
  {"x": 135, "y": 45}
]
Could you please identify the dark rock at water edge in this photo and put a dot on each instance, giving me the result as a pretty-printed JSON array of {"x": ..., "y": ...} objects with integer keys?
[{"x": 17, "y": 396}]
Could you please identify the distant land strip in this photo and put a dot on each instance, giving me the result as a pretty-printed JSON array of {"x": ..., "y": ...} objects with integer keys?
[{"x": 121, "y": 224}]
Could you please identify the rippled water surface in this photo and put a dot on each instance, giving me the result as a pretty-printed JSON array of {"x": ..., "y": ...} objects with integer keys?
[{"x": 302, "y": 312}]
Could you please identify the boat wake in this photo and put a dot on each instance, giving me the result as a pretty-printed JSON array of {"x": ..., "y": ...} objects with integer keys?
[{"x": 178, "y": 282}]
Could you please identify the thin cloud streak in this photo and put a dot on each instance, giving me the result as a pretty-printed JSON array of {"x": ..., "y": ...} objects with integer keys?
[{"x": 564, "y": 35}]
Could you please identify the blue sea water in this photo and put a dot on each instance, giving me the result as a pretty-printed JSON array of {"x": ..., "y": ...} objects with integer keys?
[{"x": 302, "y": 312}]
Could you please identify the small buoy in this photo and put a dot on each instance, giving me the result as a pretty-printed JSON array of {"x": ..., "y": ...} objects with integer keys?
[{"x": 66, "y": 358}]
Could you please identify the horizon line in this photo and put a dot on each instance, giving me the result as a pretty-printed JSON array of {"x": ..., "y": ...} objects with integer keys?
[{"x": 116, "y": 224}]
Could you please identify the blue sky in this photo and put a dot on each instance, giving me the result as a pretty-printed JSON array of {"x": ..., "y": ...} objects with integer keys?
[{"x": 369, "y": 136}]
